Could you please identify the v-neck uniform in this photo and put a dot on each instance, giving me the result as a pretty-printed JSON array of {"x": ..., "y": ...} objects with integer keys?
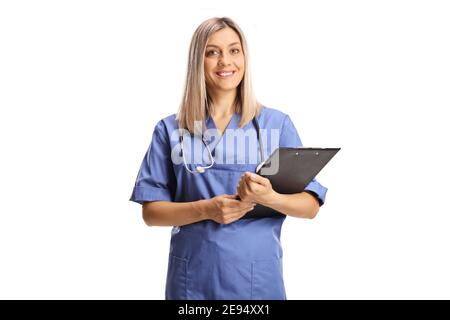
[
  {"x": 211, "y": 126},
  {"x": 207, "y": 260}
]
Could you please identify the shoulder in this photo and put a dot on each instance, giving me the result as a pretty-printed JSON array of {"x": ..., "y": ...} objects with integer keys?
[
  {"x": 169, "y": 121},
  {"x": 165, "y": 126},
  {"x": 272, "y": 118}
]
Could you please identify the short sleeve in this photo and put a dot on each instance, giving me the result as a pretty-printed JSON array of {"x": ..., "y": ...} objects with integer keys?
[
  {"x": 156, "y": 179},
  {"x": 289, "y": 137}
]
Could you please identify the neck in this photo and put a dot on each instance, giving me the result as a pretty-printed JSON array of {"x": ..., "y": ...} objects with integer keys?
[{"x": 222, "y": 104}]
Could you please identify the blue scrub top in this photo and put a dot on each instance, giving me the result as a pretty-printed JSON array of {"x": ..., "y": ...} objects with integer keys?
[{"x": 208, "y": 260}]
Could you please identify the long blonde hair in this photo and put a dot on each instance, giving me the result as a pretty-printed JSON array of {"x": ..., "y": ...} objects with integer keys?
[{"x": 195, "y": 102}]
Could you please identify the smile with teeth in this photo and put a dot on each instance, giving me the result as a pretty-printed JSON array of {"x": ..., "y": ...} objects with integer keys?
[{"x": 225, "y": 74}]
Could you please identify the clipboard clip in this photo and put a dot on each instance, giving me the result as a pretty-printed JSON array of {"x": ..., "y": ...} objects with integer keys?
[
  {"x": 262, "y": 164},
  {"x": 258, "y": 168}
]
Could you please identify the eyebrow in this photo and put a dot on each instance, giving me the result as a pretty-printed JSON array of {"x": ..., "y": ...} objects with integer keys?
[{"x": 231, "y": 44}]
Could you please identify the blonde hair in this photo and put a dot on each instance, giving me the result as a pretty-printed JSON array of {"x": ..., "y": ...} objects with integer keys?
[{"x": 196, "y": 101}]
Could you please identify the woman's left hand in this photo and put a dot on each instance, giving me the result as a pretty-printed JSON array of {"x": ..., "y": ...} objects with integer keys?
[{"x": 254, "y": 188}]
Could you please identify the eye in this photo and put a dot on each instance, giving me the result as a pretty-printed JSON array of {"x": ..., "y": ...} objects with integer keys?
[
  {"x": 211, "y": 52},
  {"x": 235, "y": 51}
]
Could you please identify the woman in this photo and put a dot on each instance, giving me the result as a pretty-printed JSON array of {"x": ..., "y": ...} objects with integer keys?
[{"x": 214, "y": 254}]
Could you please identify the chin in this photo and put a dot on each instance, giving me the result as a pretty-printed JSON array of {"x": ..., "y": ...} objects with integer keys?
[
  {"x": 231, "y": 88},
  {"x": 228, "y": 86}
]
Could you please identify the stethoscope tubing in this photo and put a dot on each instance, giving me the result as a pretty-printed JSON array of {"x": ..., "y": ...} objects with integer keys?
[{"x": 202, "y": 169}]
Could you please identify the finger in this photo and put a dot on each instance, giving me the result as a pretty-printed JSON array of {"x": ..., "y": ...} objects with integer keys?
[
  {"x": 241, "y": 184},
  {"x": 255, "y": 187},
  {"x": 232, "y": 203},
  {"x": 241, "y": 204},
  {"x": 248, "y": 185},
  {"x": 256, "y": 178},
  {"x": 238, "y": 191},
  {"x": 247, "y": 205},
  {"x": 237, "y": 204},
  {"x": 241, "y": 181},
  {"x": 243, "y": 192},
  {"x": 230, "y": 196},
  {"x": 238, "y": 214},
  {"x": 231, "y": 216},
  {"x": 242, "y": 187},
  {"x": 244, "y": 205}
]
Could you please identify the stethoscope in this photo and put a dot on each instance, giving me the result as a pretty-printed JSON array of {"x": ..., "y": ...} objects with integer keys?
[{"x": 202, "y": 169}]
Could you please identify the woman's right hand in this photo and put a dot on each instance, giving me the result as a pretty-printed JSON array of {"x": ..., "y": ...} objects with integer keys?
[{"x": 226, "y": 208}]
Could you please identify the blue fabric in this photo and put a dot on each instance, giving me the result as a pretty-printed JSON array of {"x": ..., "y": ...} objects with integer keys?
[{"x": 207, "y": 260}]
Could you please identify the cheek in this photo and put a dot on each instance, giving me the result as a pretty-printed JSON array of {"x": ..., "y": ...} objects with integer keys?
[
  {"x": 241, "y": 65},
  {"x": 208, "y": 71},
  {"x": 208, "y": 66}
]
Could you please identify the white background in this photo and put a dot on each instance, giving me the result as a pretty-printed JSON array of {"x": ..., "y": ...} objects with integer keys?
[{"x": 82, "y": 84}]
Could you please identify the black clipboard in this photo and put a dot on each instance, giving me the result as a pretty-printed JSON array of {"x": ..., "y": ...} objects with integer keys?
[{"x": 290, "y": 170}]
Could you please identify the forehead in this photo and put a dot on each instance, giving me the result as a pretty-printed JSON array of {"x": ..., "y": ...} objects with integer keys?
[{"x": 223, "y": 37}]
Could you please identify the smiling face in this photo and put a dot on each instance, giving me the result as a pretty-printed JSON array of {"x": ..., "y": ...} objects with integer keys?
[{"x": 224, "y": 61}]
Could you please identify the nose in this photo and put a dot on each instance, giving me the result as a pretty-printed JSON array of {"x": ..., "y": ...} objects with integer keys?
[{"x": 224, "y": 60}]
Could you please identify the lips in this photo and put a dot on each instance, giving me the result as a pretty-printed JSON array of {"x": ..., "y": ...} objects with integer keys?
[{"x": 225, "y": 74}]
